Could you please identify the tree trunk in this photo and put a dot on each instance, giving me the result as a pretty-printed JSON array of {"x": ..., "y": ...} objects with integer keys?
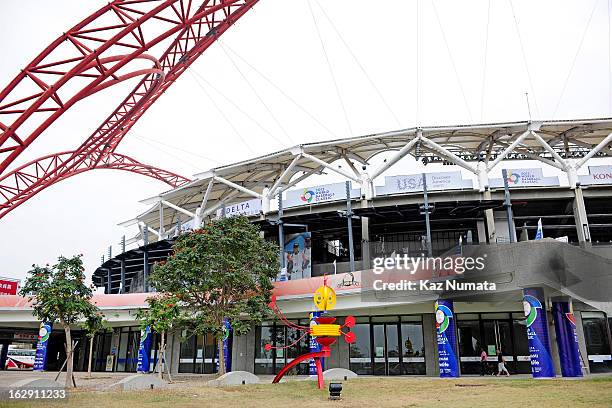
[
  {"x": 162, "y": 352},
  {"x": 69, "y": 366},
  {"x": 221, "y": 357},
  {"x": 91, "y": 340}
]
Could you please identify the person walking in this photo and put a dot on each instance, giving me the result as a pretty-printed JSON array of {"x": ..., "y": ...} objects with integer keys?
[
  {"x": 501, "y": 364},
  {"x": 483, "y": 362}
]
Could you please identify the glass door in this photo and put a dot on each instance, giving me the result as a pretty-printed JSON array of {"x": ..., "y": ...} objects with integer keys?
[
  {"x": 386, "y": 349},
  {"x": 498, "y": 336}
]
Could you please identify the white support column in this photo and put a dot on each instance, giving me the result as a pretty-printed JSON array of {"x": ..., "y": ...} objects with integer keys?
[
  {"x": 483, "y": 187},
  {"x": 594, "y": 151},
  {"x": 177, "y": 208},
  {"x": 297, "y": 180},
  {"x": 351, "y": 165},
  {"x": 219, "y": 203},
  {"x": 397, "y": 156},
  {"x": 272, "y": 191},
  {"x": 580, "y": 217},
  {"x": 142, "y": 224},
  {"x": 161, "y": 219},
  {"x": 483, "y": 176},
  {"x": 509, "y": 149},
  {"x": 332, "y": 168},
  {"x": 549, "y": 149},
  {"x": 237, "y": 187},
  {"x": 449, "y": 155}
]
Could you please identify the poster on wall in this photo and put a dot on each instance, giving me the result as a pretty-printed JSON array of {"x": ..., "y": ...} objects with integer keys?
[
  {"x": 298, "y": 256},
  {"x": 450, "y": 180},
  {"x": 597, "y": 175},
  {"x": 318, "y": 194},
  {"x": 525, "y": 178}
]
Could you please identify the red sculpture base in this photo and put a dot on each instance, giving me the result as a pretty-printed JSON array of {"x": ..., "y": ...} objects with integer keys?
[{"x": 317, "y": 355}]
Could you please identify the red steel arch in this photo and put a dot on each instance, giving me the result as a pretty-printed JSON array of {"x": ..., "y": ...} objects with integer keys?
[{"x": 93, "y": 55}]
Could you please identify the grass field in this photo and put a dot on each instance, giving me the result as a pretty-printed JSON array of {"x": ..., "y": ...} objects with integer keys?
[{"x": 370, "y": 392}]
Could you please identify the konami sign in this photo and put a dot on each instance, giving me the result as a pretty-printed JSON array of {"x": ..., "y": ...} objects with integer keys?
[{"x": 597, "y": 175}]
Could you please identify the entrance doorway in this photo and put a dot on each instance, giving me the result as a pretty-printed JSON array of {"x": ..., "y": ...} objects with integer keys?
[
  {"x": 492, "y": 332},
  {"x": 386, "y": 349}
]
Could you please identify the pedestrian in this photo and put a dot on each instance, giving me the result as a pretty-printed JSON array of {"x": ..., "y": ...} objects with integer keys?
[
  {"x": 483, "y": 362},
  {"x": 501, "y": 366}
]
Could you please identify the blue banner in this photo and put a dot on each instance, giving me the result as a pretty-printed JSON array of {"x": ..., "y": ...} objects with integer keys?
[
  {"x": 537, "y": 333},
  {"x": 144, "y": 350},
  {"x": 567, "y": 339},
  {"x": 447, "y": 342},
  {"x": 40, "y": 360},
  {"x": 227, "y": 329},
  {"x": 314, "y": 346}
]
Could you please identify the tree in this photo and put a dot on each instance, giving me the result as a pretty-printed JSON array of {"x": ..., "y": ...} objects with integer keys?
[
  {"x": 94, "y": 324},
  {"x": 162, "y": 315},
  {"x": 59, "y": 293},
  {"x": 222, "y": 271}
]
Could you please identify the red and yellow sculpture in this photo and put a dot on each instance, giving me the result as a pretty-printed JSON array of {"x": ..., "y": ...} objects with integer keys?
[{"x": 325, "y": 331}]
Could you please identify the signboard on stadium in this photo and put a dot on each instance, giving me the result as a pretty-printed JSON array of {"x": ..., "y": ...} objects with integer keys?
[
  {"x": 246, "y": 208},
  {"x": 597, "y": 175},
  {"x": 451, "y": 180},
  {"x": 525, "y": 178},
  {"x": 8, "y": 286},
  {"x": 318, "y": 194}
]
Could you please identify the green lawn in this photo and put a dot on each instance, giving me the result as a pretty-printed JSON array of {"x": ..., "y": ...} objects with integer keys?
[{"x": 364, "y": 392}]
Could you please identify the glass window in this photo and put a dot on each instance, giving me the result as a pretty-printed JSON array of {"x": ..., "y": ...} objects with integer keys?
[
  {"x": 264, "y": 363},
  {"x": 413, "y": 349},
  {"x": 122, "y": 352},
  {"x": 187, "y": 355},
  {"x": 359, "y": 352}
]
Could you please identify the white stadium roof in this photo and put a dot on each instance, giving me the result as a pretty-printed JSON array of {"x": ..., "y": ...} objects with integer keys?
[{"x": 554, "y": 143}]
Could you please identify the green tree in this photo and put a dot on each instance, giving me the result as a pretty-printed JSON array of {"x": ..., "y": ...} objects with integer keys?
[
  {"x": 92, "y": 325},
  {"x": 222, "y": 271},
  {"x": 59, "y": 293},
  {"x": 163, "y": 315}
]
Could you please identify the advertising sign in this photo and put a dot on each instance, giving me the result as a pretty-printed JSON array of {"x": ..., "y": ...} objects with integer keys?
[
  {"x": 537, "y": 333},
  {"x": 298, "y": 256},
  {"x": 318, "y": 194},
  {"x": 597, "y": 175},
  {"x": 40, "y": 360},
  {"x": 567, "y": 339},
  {"x": 525, "y": 178},
  {"x": 314, "y": 346},
  {"x": 8, "y": 286},
  {"x": 144, "y": 350},
  {"x": 227, "y": 330},
  {"x": 246, "y": 208},
  {"x": 451, "y": 180},
  {"x": 447, "y": 342}
]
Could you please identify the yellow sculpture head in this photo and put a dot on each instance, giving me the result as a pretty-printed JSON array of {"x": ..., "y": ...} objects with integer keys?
[{"x": 325, "y": 298}]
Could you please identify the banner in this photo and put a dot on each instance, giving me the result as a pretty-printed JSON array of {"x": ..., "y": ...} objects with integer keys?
[
  {"x": 451, "y": 180},
  {"x": 314, "y": 346},
  {"x": 537, "y": 333},
  {"x": 298, "y": 257},
  {"x": 8, "y": 286},
  {"x": 40, "y": 360},
  {"x": 597, "y": 175},
  {"x": 525, "y": 178},
  {"x": 318, "y": 194},
  {"x": 447, "y": 344},
  {"x": 227, "y": 355},
  {"x": 567, "y": 339},
  {"x": 246, "y": 208},
  {"x": 144, "y": 350}
]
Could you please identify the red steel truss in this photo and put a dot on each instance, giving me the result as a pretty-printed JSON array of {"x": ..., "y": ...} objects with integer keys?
[{"x": 106, "y": 48}]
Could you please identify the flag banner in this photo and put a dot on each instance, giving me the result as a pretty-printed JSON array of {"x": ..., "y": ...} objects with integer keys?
[
  {"x": 227, "y": 355},
  {"x": 539, "y": 232},
  {"x": 567, "y": 338},
  {"x": 537, "y": 333},
  {"x": 144, "y": 350},
  {"x": 44, "y": 333},
  {"x": 447, "y": 344},
  {"x": 314, "y": 346}
]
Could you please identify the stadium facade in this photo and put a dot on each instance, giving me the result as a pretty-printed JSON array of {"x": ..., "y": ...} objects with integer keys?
[{"x": 343, "y": 229}]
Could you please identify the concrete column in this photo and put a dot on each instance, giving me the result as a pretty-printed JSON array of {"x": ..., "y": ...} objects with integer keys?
[
  {"x": 580, "y": 217},
  {"x": 489, "y": 220},
  {"x": 365, "y": 243},
  {"x": 339, "y": 356},
  {"x": 173, "y": 351},
  {"x": 554, "y": 348},
  {"x": 584, "y": 357},
  {"x": 243, "y": 352},
  {"x": 431, "y": 345}
]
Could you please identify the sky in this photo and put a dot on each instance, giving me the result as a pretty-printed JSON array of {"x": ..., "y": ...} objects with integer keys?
[{"x": 297, "y": 71}]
